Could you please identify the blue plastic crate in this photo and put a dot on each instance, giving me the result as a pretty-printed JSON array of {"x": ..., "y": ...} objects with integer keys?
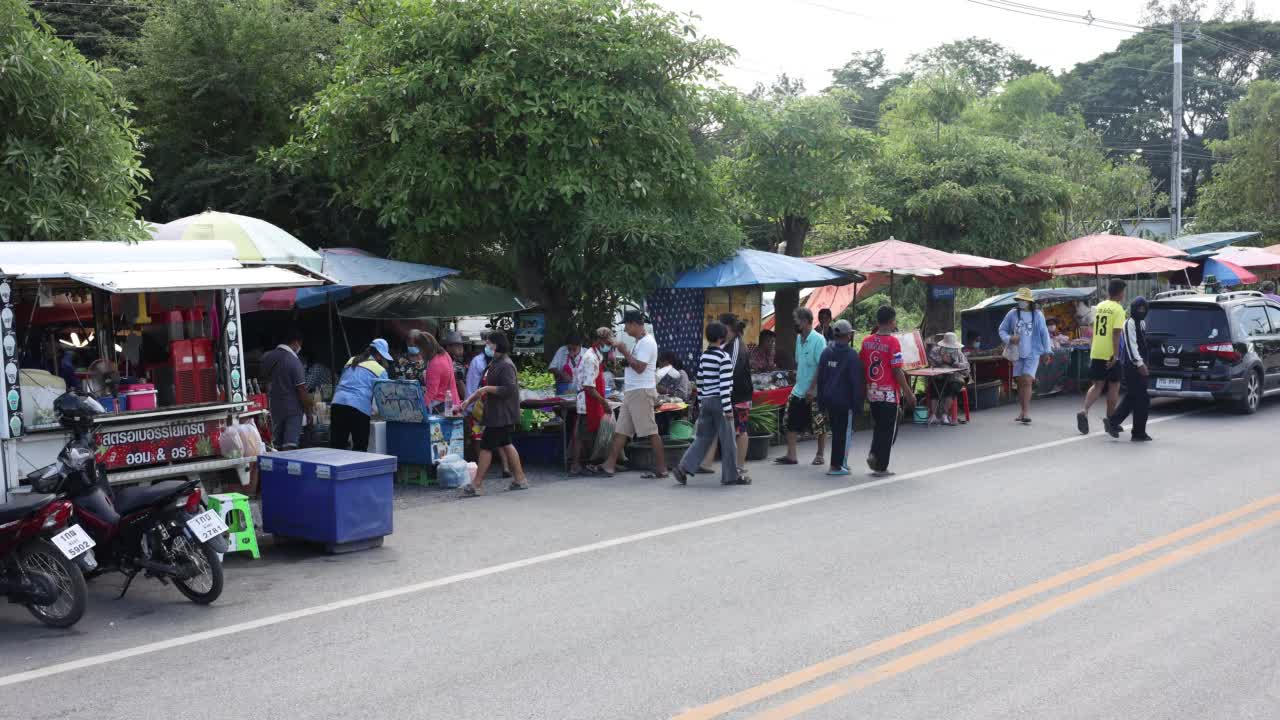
[{"x": 328, "y": 496}]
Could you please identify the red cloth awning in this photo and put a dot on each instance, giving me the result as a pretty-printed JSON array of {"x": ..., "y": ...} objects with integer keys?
[{"x": 1098, "y": 250}]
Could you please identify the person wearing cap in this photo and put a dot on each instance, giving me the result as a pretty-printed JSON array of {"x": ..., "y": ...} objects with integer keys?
[
  {"x": 438, "y": 379},
  {"x": 948, "y": 353},
  {"x": 353, "y": 399},
  {"x": 1024, "y": 328},
  {"x": 639, "y": 397},
  {"x": 1133, "y": 361},
  {"x": 453, "y": 345},
  {"x": 841, "y": 392},
  {"x": 501, "y": 392}
]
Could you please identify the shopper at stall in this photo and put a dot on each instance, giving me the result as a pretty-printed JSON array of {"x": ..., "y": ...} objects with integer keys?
[
  {"x": 762, "y": 354},
  {"x": 591, "y": 403},
  {"x": 887, "y": 385},
  {"x": 454, "y": 345},
  {"x": 563, "y": 363},
  {"x": 475, "y": 409},
  {"x": 501, "y": 393},
  {"x": 841, "y": 392},
  {"x": 948, "y": 353},
  {"x": 440, "y": 382},
  {"x": 742, "y": 392},
  {"x": 715, "y": 412},
  {"x": 413, "y": 363},
  {"x": 824, "y": 324},
  {"x": 1025, "y": 329},
  {"x": 353, "y": 399},
  {"x": 287, "y": 394},
  {"x": 1133, "y": 360},
  {"x": 1056, "y": 337},
  {"x": 803, "y": 414},
  {"x": 673, "y": 381},
  {"x": 639, "y": 394},
  {"x": 972, "y": 342},
  {"x": 319, "y": 377},
  {"x": 1269, "y": 289},
  {"x": 1104, "y": 354}
]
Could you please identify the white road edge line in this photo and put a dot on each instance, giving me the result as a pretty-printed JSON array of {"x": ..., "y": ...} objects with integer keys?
[{"x": 277, "y": 619}]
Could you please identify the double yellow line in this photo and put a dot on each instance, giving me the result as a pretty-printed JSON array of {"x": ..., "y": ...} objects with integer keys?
[{"x": 1012, "y": 621}]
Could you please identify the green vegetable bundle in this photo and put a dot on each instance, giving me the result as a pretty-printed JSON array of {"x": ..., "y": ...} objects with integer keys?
[
  {"x": 763, "y": 419},
  {"x": 534, "y": 380}
]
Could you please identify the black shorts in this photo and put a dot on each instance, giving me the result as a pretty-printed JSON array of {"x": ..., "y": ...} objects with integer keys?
[
  {"x": 495, "y": 437},
  {"x": 803, "y": 415},
  {"x": 1099, "y": 372}
]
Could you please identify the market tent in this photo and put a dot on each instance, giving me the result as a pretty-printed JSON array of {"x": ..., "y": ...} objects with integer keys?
[
  {"x": 1228, "y": 273},
  {"x": 767, "y": 270},
  {"x": 1043, "y": 296},
  {"x": 256, "y": 242},
  {"x": 1252, "y": 258},
  {"x": 441, "y": 298},
  {"x": 985, "y": 317},
  {"x": 1094, "y": 252},
  {"x": 1205, "y": 243},
  {"x": 349, "y": 269}
]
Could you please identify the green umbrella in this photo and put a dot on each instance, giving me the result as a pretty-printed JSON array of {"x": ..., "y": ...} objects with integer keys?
[{"x": 441, "y": 298}]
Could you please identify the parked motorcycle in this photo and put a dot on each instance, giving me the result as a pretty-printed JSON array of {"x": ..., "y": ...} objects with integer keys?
[
  {"x": 40, "y": 559},
  {"x": 163, "y": 530}
]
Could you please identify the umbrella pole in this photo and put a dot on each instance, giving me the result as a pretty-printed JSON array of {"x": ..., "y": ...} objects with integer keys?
[
  {"x": 891, "y": 300},
  {"x": 333, "y": 349}
]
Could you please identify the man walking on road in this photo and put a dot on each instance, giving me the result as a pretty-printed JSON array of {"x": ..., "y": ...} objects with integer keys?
[
  {"x": 886, "y": 380},
  {"x": 802, "y": 408},
  {"x": 1133, "y": 357},
  {"x": 639, "y": 395},
  {"x": 1104, "y": 356},
  {"x": 841, "y": 392},
  {"x": 287, "y": 387}
]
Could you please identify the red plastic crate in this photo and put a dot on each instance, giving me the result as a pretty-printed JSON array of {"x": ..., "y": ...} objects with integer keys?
[
  {"x": 182, "y": 361},
  {"x": 205, "y": 370}
]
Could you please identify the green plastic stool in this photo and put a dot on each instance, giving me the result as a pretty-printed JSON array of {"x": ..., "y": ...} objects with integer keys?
[{"x": 235, "y": 512}]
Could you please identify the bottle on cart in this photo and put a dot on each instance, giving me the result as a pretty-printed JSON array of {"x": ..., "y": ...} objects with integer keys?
[{"x": 448, "y": 403}]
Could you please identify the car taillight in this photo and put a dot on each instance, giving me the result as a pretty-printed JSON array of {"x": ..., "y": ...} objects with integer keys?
[
  {"x": 193, "y": 501},
  {"x": 1223, "y": 351}
]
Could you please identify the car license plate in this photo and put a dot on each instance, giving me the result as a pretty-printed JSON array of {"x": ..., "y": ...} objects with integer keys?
[
  {"x": 206, "y": 525},
  {"x": 73, "y": 542},
  {"x": 1168, "y": 383}
]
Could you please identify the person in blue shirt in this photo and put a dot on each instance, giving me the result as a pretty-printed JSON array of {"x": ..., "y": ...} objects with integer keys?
[
  {"x": 1025, "y": 329},
  {"x": 803, "y": 414},
  {"x": 353, "y": 399}
]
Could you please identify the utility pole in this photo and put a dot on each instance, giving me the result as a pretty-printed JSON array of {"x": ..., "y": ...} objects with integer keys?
[{"x": 1175, "y": 170}]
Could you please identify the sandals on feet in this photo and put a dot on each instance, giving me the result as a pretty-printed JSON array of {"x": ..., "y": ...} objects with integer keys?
[
  {"x": 469, "y": 491},
  {"x": 785, "y": 461},
  {"x": 654, "y": 476},
  {"x": 818, "y": 461},
  {"x": 517, "y": 485}
]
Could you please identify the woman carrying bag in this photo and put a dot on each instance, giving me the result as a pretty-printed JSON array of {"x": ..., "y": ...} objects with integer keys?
[{"x": 1026, "y": 338}]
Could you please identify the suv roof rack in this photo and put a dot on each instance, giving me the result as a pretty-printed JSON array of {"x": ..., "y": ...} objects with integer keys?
[
  {"x": 1176, "y": 293},
  {"x": 1223, "y": 297}
]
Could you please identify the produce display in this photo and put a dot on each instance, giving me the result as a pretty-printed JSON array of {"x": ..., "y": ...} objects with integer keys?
[
  {"x": 770, "y": 380},
  {"x": 763, "y": 419},
  {"x": 536, "y": 380}
]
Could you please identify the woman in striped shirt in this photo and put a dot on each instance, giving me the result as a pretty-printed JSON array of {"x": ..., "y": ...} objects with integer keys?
[{"x": 715, "y": 413}]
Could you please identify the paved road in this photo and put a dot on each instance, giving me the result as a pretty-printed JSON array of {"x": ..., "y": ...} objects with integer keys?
[{"x": 1005, "y": 572}]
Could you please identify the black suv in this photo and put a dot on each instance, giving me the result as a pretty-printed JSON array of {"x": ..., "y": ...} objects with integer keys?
[{"x": 1223, "y": 347}]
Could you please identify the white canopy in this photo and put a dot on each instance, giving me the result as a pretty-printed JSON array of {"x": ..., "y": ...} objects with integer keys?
[{"x": 194, "y": 279}]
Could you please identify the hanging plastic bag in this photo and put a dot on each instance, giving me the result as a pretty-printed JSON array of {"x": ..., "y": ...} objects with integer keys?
[
  {"x": 251, "y": 439},
  {"x": 230, "y": 442}
]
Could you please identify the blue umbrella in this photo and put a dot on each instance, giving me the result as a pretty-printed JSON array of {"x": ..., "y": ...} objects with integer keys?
[
  {"x": 749, "y": 268},
  {"x": 1228, "y": 273}
]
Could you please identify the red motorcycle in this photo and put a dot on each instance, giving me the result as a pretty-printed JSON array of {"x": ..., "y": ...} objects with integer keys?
[{"x": 40, "y": 559}]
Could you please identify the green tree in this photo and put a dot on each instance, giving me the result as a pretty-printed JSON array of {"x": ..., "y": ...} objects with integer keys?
[
  {"x": 556, "y": 134},
  {"x": 1245, "y": 191},
  {"x": 215, "y": 83},
  {"x": 793, "y": 163},
  {"x": 985, "y": 64},
  {"x": 95, "y": 27},
  {"x": 69, "y": 162},
  {"x": 863, "y": 83}
]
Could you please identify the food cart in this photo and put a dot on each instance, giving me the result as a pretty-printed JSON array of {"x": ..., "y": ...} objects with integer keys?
[{"x": 152, "y": 329}]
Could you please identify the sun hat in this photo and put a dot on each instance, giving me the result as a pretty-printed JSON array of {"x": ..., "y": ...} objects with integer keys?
[
  {"x": 950, "y": 341},
  {"x": 383, "y": 349},
  {"x": 1025, "y": 294}
]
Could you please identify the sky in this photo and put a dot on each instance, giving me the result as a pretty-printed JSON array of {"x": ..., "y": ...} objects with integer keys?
[{"x": 806, "y": 38}]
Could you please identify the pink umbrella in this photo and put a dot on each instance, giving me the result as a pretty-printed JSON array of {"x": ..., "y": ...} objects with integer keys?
[
  {"x": 985, "y": 272},
  {"x": 837, "y": 297},
  {"x": 1257, "y": 258},
  {"x": 1098, "y": 251},
  {"x": 1131, "y": 267},
  {"x": 889, "y": 256}
]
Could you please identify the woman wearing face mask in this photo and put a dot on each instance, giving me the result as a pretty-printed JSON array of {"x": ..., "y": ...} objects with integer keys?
[
  {"x": 592, "y": 406},
  {"x": 413, "y": 362},
  {"x": 501, "y": 395},
  {"x": 1025, "y": 328}
]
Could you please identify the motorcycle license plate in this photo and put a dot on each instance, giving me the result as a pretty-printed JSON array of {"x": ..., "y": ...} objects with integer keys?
[
  {"x": 73, "y": 542},
  {"x": 206, "y": 525},
  {"x": 1168, "y": 383}
]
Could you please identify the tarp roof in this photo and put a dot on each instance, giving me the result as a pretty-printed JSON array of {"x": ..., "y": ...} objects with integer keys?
[
  {"x": 172, "y": 280},
  {"x": 751, "y": 268},
  {"x": 1044, "y": 296},
  {"x": 47, "y": 260},
  {"x": 1206, "y": 243}
]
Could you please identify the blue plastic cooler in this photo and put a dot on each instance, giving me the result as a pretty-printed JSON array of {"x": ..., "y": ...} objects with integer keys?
[{"x": 330, "y": 496}]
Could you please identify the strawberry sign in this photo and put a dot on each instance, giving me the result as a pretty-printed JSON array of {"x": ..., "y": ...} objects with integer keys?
[{"x": 159, "y": 444}]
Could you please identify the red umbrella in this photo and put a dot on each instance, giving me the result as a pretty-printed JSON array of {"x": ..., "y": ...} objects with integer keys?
[
  {"x": 1131, "y": 267},
  {"x": 889, "y": 256},
  {"x": 1250, "y": 258},
  {"x": 836, "y": 297},
  {"x": 985, "y": 272},
  {"x": 1095, "y": 251}
]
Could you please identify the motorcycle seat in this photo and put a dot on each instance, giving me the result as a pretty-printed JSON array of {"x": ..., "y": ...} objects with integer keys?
[
  {"x": 22, "y": 505},
  {"x": 139, "y": 496}
]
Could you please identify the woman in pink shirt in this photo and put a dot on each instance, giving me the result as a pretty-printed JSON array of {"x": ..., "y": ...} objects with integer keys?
[{"x": 440, "y": 382}]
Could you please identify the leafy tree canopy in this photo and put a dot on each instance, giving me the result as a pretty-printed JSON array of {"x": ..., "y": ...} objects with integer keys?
[
  {"x": 987, "y": 65},
  {"x": 554, "y": 132},
  {"x": 69, "y": 162},
  {"x": 1245, "y": 191},
  {"x": 95, "y": 27}
]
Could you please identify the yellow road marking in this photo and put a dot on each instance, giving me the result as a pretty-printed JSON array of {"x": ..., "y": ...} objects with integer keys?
[
  {"x": 1016, "y": 620},
  {"x": 813, "y": 672}
]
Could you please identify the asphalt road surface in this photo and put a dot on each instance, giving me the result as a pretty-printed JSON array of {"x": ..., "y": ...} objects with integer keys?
[{"x": 1004, "y": 572}]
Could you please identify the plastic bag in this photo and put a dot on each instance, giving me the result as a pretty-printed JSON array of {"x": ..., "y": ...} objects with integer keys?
[
  {"x": 453, "y": 472},
  {"x": 230, "y": 442},
  {"x": 251, "y": 439}
]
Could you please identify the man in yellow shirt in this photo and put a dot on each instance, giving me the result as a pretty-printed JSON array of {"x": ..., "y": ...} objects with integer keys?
[{"x": 1104, "y": 366}]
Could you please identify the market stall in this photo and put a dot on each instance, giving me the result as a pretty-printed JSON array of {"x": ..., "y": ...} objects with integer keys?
[
  {"x": 152, "y": 329},
  {"x": 1070, "y": 308}
]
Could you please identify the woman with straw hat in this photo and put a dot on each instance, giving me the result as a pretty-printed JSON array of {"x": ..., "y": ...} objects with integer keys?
[
  {"x": 948, "y": 353},
  {"x": 1026, "y": 337}
]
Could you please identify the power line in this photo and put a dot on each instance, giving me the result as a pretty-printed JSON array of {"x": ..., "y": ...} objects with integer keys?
[
  {"x": 1088, "y": 17},
  {"x": 1086, "y": 20}
]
